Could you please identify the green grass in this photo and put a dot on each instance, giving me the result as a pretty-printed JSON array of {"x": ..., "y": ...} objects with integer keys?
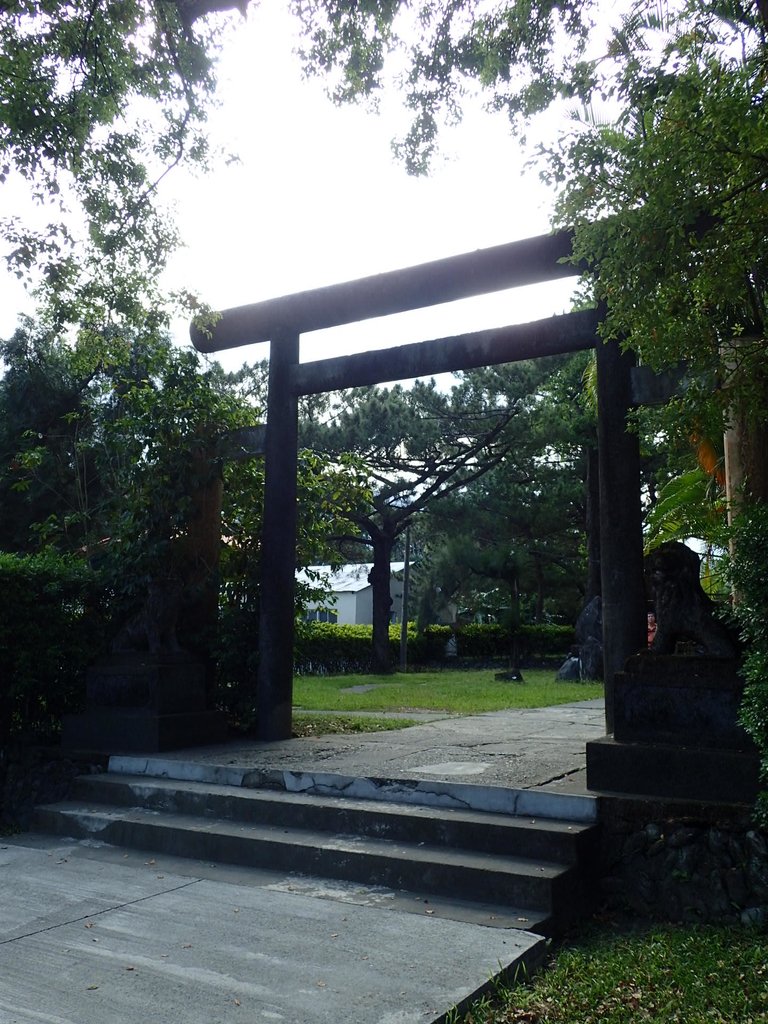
[
  {"x": 320, "y": 725},
  {"x": 667, "y": 975},
  {"x": 459, "y": 692}
]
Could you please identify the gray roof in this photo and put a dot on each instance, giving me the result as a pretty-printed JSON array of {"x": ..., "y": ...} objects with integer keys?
[{"x": 344, "y": 579}]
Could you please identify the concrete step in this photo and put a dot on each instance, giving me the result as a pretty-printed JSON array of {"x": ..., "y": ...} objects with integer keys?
[
  {"x": 508, "y": 880},
  {"x": 564, "y": 842},
  {"x": 533, "y": 871}
]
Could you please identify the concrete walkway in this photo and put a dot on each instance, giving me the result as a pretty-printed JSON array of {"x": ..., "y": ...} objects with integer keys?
[
  {"x": 515, "y": 748},
  {"x": 92, "y": 934}
]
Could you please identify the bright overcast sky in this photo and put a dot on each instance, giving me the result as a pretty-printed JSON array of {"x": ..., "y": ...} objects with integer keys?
[{"x": 318, "y": 198}]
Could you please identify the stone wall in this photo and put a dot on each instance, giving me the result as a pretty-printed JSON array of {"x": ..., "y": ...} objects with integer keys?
[
  {"x": 36, "y": 775},
  {"x": 683, "y": 862}
]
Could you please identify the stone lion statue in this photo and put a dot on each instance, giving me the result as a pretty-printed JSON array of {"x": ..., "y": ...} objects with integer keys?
[
  {"x": 684, "y": 613},
  {"x": 153, "y": 627}
]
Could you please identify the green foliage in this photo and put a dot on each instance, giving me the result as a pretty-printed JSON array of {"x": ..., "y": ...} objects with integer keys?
[
  {"x": 483, "y": 640},
  {"x": 52, "y": 625},
  {"x": 79, "y": 81},
  {"x": 428, "y": 646},
  {"x": 510, "y": 544},
  {"x": 324, "y": 648},
  {"x": 508, "y": 48},
  {"x": 750, "y": 579},
  {"x": 546, "y": 640},
  {"x": 670, "y": 205},
  {"x": 116, "y": 448},
  {"x": 685, "y": 508},
  {"x": 418, "y": 446},
  {"x": 685, "y": 975}
]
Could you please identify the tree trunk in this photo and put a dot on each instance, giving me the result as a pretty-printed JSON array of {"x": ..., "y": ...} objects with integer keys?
[
  {"x": 379, "y": 577},
  {"x": 538, "y": 614},
  {"x": 746, "y": 462}
]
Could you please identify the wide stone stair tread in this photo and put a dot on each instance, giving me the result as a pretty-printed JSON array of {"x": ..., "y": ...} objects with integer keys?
[
  {"x": 551, "y": 838},
  {"x": 196, "y": 835},
  {"x": 492, "y": 867}
]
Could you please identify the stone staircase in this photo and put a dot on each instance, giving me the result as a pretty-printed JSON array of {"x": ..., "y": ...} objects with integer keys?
[{"x": 506, "y": 858}]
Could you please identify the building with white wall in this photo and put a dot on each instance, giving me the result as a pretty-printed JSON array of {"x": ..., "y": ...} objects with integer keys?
[{"x": 349, "y": 595}]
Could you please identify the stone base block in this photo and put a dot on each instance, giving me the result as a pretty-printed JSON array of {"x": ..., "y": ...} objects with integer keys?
[
  {"x": 163, "y": 683},
  {"x": 124, "y": 730},
  {"x": 690, "y": 701},
  {"x": 673, "y": 772}
]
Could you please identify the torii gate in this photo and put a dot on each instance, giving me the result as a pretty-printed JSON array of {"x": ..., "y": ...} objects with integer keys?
[{"x": 282, "y": 321}]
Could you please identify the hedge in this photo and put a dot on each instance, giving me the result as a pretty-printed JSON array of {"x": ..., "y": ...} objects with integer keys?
[
  {"x": 324, "y": 648},
  {"x": 51, "y": 628}
]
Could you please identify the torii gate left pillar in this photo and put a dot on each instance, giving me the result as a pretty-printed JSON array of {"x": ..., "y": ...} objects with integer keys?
[{"x": 278, "y": 554}]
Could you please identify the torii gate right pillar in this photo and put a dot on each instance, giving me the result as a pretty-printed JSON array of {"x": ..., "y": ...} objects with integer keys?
[{"x": 621, "y": 525}]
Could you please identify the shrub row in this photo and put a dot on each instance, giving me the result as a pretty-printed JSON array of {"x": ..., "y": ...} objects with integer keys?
[
  {"x": 328, "y": 649},
  {"x": 54, "y": 623},
  {"x": 325, "y": 648},
  {"x": 51, "y": 628},
  {"x": 748, "y": 575}
]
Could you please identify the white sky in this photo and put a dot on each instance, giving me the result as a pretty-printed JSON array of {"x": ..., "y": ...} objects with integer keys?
[{"x": 318, "y": 198}]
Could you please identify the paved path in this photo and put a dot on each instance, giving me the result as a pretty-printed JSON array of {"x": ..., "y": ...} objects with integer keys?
[
  {"x": 97, "y": 935},
  {"x": 518, "y": 748},
  {"x": 92, "y": 941}
]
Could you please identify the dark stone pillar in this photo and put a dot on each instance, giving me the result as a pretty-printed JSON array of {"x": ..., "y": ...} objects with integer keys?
[
  {"x": 592, "y": 487},
  {"x": 621, "y": 537},
  {"x": 278, "y": 554}
]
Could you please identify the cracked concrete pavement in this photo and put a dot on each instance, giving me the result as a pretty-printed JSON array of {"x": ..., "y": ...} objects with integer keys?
[
  {"x": 88, "y": 937},
  {"x": 516, "y": 748}
]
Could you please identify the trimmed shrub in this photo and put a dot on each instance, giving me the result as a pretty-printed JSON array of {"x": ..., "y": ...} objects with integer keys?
[
  {"x": 429, "y": 646},
  {"x": 749, "y": 575},
  {"x": 483, "y": 640},
  {"x": 324, "y": 648},
  {"x": 51, "y": 629},
  {"x": 547, "y": 640}
]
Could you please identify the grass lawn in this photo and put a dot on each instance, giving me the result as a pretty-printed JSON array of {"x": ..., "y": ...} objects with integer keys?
[
  {"x": 665, "y": 975},
  {"x": 321, "y": 725},
  {"x": 459, "y": 692}
]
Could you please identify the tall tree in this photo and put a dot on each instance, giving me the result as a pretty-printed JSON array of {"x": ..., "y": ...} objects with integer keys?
[
  {"x": 517, "y": 533},
  {"x": 421, "y": 445},
  {"x": 665, "y": 183},
  {"x": 98, "y": 101}
]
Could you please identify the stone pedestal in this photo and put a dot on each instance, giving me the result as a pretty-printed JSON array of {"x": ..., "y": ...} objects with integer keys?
[
  {"x": 140, "y": 702},
  {"x": 676, "y": 733}
]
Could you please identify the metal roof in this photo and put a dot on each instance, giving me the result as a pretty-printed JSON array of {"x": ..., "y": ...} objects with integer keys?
[{"x": 343, "y": 579}]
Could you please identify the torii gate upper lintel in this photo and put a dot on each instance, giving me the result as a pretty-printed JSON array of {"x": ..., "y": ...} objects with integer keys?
[{"x": 282, "y": 321}]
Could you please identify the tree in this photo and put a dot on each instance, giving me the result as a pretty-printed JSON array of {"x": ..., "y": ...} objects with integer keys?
[
  {"x": 514, "y": 538},
  {"x": 682, "y": 174},
  {"x": 98, "y": 102},
  {"x": 100, "y": 439},
  {"x": 48, "y": 482},
  {"x": 667, "y": 192},
  {"x": 419, "y": 446},
  {"x": 526, "y": 54},
  {"x": 123, "y": 455}
]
